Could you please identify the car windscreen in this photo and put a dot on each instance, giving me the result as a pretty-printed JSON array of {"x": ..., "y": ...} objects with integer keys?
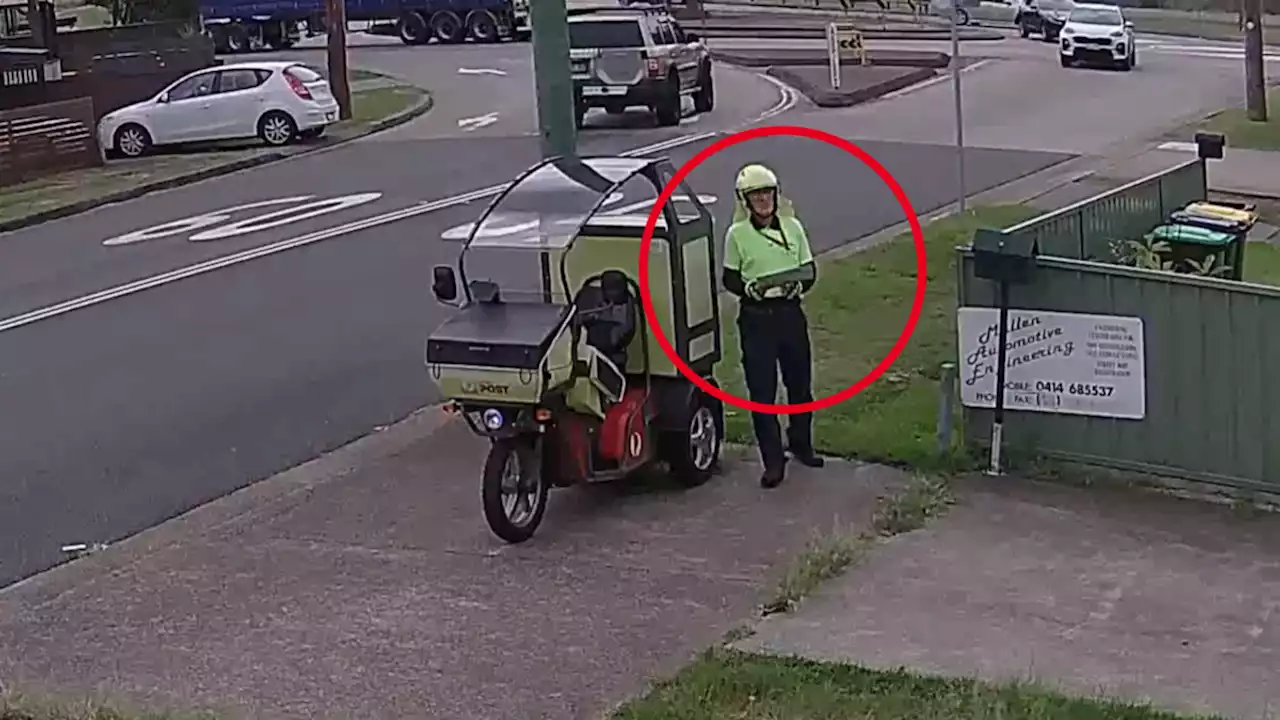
[
  {"x": 1091, "y": 16},
  {"x": 1055, "y": 5},
  {"x": 602, "y": 34}
]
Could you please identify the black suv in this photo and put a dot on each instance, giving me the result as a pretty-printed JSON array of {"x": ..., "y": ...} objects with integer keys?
[
  {"x": 624, "y": 58},
  {"x": 1043, "y": 17}
]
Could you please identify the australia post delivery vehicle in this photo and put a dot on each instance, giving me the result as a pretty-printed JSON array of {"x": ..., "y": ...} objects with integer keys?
[{"x": 550, "y": 356}]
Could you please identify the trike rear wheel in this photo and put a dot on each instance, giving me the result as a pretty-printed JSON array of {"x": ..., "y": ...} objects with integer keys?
[
  {"x": 693, "y": 452},
  {"x": 513, "y": 491}
]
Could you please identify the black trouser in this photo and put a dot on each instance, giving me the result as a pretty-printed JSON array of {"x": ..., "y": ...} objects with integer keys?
[{"x": 775, "y": 336}]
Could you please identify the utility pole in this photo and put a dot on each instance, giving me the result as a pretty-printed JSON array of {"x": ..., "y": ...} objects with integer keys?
[
  {"x": 335, "y": 20},
  {"x": 1254, "y": 68},
  {"x": 557, "y": 117},
  {"x": 961, "y": 200}
]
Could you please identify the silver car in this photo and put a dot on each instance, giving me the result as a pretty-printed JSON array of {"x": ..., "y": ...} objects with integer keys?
[{"x": 977, "y": 12}]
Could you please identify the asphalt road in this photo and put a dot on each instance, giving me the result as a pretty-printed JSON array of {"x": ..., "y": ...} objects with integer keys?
[
  {"x": 488, "y": 91},
  {"x": 125, "y": 413},
  {"x": 1021, "y": 98}
]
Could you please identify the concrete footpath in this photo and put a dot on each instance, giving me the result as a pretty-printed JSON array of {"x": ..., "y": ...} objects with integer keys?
[
  {"x": 1130, "y": 594},
  {"x": 366, "y": 585}
]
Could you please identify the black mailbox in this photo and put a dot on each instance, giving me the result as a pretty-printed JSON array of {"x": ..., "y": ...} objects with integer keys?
[
  {"x": 1003, "y": 257},
  {"x": 1209, "y": 145}
]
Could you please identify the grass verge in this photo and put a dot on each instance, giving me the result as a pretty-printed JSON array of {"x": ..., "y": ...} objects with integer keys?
[
  {"x": 1244, "y": 133},
  {"x": 827, "y": 556},
  {"x": 15, "y": 706},
  {"x": 730, "y": 685},
  {"x": 856, "y": 312},
  {"x": 69, "y": 188}
]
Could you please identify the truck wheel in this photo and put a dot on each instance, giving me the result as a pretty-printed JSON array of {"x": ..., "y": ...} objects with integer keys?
[
  {"x": 237, "y": 39},
  {"x": 482, "y": 27},
  {"x": 693, "y": 451},
  {"x": 219, "y": 37},
  {"x": 704, "y": 101},
  {"x": 412, "y": 29},
  {"x": 447, "y": 27},
  {"x": 513, "y": 492},
  {"x": 667, "y": 108}
]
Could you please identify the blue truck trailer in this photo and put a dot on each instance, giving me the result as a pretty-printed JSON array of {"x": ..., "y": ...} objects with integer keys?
[{"x": 238, "y": 26}]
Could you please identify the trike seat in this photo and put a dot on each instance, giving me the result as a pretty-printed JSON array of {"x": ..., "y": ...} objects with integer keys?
[{"x": 608, "y": 313}]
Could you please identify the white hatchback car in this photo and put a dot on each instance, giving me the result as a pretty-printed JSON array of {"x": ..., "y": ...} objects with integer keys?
[
  {"x": 1097, "y": 33},
  {"x": 275, "y": 101}
]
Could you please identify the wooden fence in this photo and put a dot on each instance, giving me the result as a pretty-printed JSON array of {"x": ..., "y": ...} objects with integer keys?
[{"x": 44, "y": 139}]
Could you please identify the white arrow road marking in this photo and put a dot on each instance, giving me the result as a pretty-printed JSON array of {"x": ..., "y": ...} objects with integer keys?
[
  {"x": 475, "y": 123},
  {"x": 482, "y": 71}
]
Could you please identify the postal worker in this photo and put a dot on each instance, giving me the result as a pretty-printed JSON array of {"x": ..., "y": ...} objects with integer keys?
[{"x": 769, "y": 266}]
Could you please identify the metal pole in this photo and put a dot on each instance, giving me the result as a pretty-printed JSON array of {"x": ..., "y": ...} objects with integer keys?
[
  {"x": 554, "y": 85},
  {"x": 1254, "y": 68},
  {"x": 997, "y": 420},
  {"x": 335, "y": 21},
  {"x": 946, "y": 406},
  {"x": 961, "y": 200}
]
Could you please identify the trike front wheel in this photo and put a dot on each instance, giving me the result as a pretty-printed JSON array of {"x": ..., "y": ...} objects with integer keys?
[{"x": 513, "y": 491}]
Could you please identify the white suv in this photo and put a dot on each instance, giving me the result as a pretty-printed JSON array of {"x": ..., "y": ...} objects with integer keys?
[{"x": 1098, "y": 34}]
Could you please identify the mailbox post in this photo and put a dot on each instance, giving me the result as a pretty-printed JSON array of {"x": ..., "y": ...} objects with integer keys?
[{"x": 1005, "y": 260}]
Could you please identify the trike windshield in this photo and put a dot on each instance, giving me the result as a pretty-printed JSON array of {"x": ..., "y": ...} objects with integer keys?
[{"x": 523, "y": 237}]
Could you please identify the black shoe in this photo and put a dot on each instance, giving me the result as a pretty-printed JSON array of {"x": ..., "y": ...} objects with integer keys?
[
  {"x": 772, "y": 478},
  {"x": 809, "y": 459}
]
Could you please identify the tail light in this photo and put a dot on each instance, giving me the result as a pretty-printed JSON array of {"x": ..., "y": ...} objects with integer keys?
[
  {"x": 297, "y": 86},
  {"x": 654, "y": 66}
]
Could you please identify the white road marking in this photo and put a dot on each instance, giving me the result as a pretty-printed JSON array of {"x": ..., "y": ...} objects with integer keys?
[
  {"x": 226, "y": 261},
  {"x": 195, "y": 223},
  {"x": 459, "y": 233},
  {"x": 787, "y": 101},
  {"x": 788, "y": 98},
  {"x": 481, "y": 71},
  {"x": 286, "y": 216},
  {"x": 475, "y": 123},
  {"x": 943, "y": 76},
  {"x": 1179, "y": 146}
]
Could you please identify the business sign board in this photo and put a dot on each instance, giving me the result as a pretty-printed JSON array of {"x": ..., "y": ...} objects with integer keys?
[{"x": 1066, "y": 363}]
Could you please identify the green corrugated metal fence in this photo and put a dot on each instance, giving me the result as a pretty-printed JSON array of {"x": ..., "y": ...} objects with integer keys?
[
  {"x": 1085, "y": 230},
  {"x": 1212, "y": 373}
]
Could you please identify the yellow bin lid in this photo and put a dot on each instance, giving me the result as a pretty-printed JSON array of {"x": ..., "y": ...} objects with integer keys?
[{"x": 1221, "y": 212}]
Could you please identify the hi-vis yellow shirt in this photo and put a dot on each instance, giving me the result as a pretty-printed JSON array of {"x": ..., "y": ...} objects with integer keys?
[{"x": 755, "y": 253}]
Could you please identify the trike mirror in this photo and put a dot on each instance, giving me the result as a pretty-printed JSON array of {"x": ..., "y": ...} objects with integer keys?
[{"x": 444, "y": 283}]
